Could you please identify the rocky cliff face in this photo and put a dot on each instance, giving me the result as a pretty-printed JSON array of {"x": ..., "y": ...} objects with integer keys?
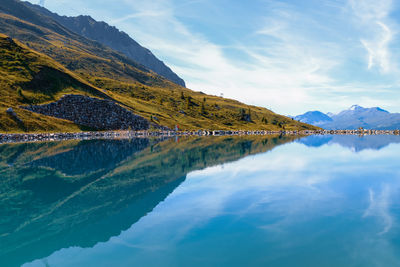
[
  {"x": 114, "y": 38},
  {"x": 92, "y": 112}
]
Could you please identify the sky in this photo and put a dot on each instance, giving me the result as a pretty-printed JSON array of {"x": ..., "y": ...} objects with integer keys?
[{"x": 291, "y": 56}]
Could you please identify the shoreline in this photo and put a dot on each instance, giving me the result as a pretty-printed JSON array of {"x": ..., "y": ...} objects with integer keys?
[{"x": 36, "y": 137}]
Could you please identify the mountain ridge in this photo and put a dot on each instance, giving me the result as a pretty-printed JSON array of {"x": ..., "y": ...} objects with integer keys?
[
  {"x": 354, "y": 117},
  {"x": 313, "y": 117},
  {"x": 114, "y": 38}
]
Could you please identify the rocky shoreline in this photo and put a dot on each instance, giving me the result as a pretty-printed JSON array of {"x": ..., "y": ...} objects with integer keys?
[{"x": 36, "y": 137}]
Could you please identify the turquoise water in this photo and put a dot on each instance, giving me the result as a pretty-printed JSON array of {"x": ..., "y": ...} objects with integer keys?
[{"x": 249, "y": 201}]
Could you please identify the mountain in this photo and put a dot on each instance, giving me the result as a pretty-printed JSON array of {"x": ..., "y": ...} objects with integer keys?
[
  {"x": 355, "y": 117},
  {"x": 314, "y": 118},
  {"x": 41, "y": 61},
  {"x": 113, "y": 38}
]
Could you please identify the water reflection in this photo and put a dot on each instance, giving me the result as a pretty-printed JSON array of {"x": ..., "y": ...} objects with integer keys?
[
  {"x": 78, "y": 193},
  {"x": 353, "y": 142},
  {"x": 293, "y": 206}
]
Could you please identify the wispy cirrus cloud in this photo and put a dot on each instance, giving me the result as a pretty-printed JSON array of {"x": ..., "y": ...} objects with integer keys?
[
  {"x": 290, "y": 61},
  {"x": 374, "y": 17}
]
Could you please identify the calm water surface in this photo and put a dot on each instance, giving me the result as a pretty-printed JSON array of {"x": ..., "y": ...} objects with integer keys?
[{"x": 218, "y": 201}]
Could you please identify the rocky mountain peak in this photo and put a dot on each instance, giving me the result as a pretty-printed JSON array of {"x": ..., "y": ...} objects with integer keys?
[{"x": 355, "y": 107}]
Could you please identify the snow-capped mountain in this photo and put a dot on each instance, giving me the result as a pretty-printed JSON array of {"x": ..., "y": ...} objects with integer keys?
[{"x": 353, "y": 118}]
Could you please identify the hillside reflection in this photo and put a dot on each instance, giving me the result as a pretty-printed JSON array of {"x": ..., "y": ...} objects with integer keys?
[{"x": 77, "y": 193}]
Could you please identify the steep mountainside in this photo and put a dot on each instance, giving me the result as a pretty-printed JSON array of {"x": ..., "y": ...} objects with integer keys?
[
  {"x": 114, "y": 38},
  {"x": 98, "y": 71},
  {"x": 355, "y": 117}
]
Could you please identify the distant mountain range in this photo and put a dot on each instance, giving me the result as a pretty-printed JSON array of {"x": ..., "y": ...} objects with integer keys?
[
  {"x": 113, "y": 38},
  {"x": 353, "y": 118}
]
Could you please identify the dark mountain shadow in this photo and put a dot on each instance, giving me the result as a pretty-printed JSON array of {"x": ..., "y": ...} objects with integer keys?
[
  {"x": 353, "y": 142},
  {"x": 79, "y": 193}
]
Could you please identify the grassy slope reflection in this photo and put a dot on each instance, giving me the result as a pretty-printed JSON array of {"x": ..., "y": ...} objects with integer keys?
[{"x": 78, "y": 193}]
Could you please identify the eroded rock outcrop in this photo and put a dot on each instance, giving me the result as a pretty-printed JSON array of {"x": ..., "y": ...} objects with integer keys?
[{"x": 92, "y": 112}]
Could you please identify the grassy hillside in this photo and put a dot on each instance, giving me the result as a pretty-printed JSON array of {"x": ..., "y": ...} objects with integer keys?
[
  {"x": 50, "y": 61},
  {"x": 27, "y": 77}
]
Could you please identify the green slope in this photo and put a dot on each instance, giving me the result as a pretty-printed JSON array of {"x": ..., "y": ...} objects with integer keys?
[
  {"x": 27, "y": 77},
  {"x": 65, "y": 62}
]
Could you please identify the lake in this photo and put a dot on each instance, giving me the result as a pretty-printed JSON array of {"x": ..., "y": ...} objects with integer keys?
[{"x": 209, "y": 201}]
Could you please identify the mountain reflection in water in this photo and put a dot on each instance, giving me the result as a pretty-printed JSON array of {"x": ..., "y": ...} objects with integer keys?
[
  {"x": 353, "y": 142},
  {"x": 57, "y": 195}
]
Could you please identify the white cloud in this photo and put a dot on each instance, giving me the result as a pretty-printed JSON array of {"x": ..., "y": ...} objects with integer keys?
[
  {"x": 370, "y": 10},
  {"x": 288, "y": 69},
  {"x": 374, "y": 17},
  {"x": 281, "y": 74}
]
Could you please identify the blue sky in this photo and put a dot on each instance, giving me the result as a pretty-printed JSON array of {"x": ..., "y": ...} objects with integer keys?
[{"x": 290, "y": 56}]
